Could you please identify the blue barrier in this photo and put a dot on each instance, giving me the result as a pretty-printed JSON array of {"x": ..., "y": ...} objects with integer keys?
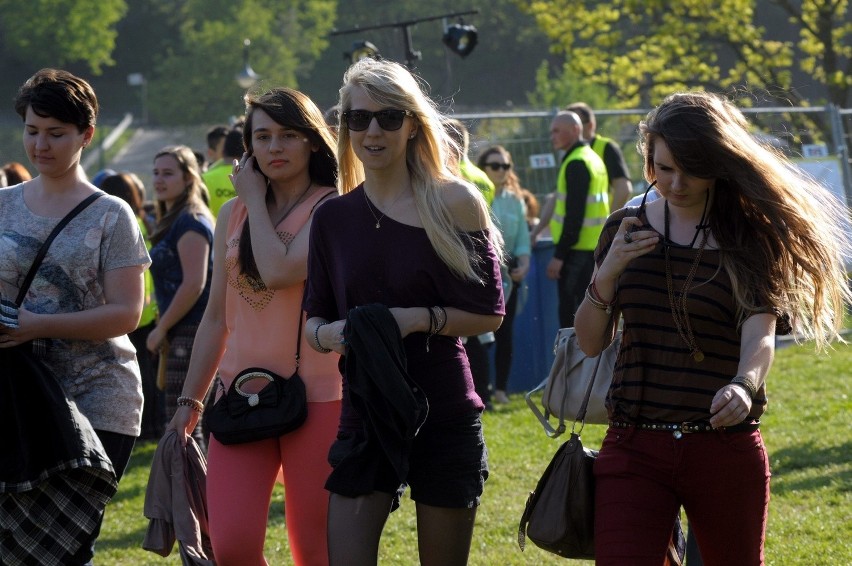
[{"x": 535, "y": 326}]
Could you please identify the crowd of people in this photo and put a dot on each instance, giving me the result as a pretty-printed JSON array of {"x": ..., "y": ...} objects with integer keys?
[{"x": 363, "y": 251}]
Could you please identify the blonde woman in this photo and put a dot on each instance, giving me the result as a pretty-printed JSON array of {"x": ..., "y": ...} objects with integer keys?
[
  {"x": 181, "y": 255},
  {"x": 738, "y": 243},
  {"x": 410, "y": 236}
]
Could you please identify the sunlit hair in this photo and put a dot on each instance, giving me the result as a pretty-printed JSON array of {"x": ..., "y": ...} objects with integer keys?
[
  {"x": 511, "y": 181},
  {"x": 53, "y": 93},
  {"x": 780, "y": 233},
  {"x": 295, "y": 110},
  {"x": 16, "y": 173},
  {"x": 390, "y": 85},
  {"x": 191, "y": 201}
]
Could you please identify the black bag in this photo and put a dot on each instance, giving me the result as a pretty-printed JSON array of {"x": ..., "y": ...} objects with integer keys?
[
  {"x": 560, "y": 514},
  {"x": 278, "y": 408}
]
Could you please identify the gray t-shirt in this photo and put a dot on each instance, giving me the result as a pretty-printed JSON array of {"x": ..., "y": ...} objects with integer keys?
[{"x": 101, "y": 376}]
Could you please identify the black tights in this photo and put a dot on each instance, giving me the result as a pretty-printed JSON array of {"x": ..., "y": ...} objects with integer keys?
[{"x": 355, "y": 527}]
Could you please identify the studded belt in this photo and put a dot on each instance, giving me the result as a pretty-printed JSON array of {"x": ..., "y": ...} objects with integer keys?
[{"x": 679, "y": 429}]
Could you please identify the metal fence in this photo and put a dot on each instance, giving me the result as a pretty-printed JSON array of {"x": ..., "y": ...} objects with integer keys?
[{"x": 817, "y": 139}]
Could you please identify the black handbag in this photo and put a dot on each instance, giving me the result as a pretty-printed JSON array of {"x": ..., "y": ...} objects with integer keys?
[
  {"x": 280, "y": 407},
  {"x": 560, "y": 513}
]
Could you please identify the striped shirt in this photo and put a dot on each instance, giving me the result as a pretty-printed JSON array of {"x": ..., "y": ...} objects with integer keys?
[{"x": 656, "y": 378}]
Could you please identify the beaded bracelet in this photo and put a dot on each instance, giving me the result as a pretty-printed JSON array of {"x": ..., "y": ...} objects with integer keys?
[
  {"x": 746, "y": 384},
  {"x": 193, "y": 404},
  {"x": 596, "y": 302},
  {"x": 316, "y": 338}
]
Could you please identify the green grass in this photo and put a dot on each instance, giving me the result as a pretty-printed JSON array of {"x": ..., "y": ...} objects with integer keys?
[{"x": 806, "y": 430}]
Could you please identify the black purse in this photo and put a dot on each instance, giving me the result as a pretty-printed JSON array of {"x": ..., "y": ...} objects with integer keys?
[
  {"x": 559, "y": 515},
  {"x": 280, "y": 407}
]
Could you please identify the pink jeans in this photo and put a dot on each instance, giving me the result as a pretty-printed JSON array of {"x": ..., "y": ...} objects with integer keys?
[
  {"x": 240, "y": 479},
  {"x": 643, "y": 477}
]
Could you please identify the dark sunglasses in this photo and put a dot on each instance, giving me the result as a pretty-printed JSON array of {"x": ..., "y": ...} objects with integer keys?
[
  {"x": 498, "y": 166},
  {"x": 389, "y": 120}
]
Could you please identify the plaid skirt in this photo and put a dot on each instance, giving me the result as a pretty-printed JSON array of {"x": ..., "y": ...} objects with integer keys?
[{"x": 181, "y": 338}]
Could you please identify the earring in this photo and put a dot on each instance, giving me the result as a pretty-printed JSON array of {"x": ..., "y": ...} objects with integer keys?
[{"x": 411, "y": 136}]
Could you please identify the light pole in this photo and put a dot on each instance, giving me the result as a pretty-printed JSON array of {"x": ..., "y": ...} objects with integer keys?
[
  {"x": 138, "y": 79},
  {"x": 247, "y": 77}
]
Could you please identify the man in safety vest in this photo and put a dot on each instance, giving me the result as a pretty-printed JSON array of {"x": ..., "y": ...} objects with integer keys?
[
  {"x": 580, "y": 211},
  {"x": 620, "y": 187}
]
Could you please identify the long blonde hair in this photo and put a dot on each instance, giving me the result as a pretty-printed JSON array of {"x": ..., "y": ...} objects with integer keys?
[
  {"x": 192, "y": 200},
  {"x": 392, "y": 85},
  {"x": 781, "y": 234}
]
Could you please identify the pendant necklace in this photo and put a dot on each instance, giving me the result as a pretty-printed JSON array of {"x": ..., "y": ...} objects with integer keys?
[
  {"x": 290, "y": 209},
  {"x": 680, "y": 313},
  {"x": 379, "y": 219}
]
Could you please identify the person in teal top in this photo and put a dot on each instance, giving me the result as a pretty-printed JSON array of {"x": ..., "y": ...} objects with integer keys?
[{"x": 510, "y": 215}]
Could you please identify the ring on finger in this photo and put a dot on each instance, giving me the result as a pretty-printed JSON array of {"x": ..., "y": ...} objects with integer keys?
[{"x": 628, "y": 238}]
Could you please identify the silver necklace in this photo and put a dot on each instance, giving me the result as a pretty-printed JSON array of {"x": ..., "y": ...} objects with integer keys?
[{"x": 379, "y": 219}]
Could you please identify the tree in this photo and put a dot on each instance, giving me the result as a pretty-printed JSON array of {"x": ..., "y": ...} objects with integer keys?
[
  {"x": 194, "y": 82},
  {"x": 642, "y": 50},
  {"x": 56, "y": 33}
]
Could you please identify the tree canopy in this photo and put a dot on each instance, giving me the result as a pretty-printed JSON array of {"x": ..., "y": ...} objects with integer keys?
[
  {"x": 642, "y": 50},
  {"x": 55, "y": 33}
]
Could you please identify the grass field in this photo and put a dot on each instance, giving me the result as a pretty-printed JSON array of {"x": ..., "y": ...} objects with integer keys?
[{"x": 806, "y": 429}]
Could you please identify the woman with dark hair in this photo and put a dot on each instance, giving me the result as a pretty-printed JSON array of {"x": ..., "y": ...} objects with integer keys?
[
  {"x": 128, "y": 187},
  {"x": 16, "y": 173},
  {"x": 85, "y": 298},
  {"x": 738, "y": 244},
  {"x": 181, "y": 254},
  {"x": 510, "y": 214},
  {"x": 253, "y": 319}
]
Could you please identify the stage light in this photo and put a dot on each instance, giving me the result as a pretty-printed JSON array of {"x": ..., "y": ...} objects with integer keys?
[
  {"x": 360, "y": 50},
  {"x": 460, "y": 38}
]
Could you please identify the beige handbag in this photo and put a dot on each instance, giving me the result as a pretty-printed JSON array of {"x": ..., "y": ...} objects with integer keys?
[{"x": 565, "y": 387}]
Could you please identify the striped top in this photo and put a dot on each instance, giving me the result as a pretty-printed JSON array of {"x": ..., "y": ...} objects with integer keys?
[{"x": 656, "y": 379}]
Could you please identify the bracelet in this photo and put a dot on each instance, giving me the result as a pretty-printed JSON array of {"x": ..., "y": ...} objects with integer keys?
[
  {"x": 597, "y": 303},
  {"x": 193, "y": 404},
  {"x": 746, "y": 384},
  {"x": 437, "y": 322},
  {"x": 440, "y": 318},
  {"x": 316, "y": 338}
]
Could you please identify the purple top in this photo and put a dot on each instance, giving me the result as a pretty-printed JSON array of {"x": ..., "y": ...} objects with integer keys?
[{"x": 351, "y": 263}]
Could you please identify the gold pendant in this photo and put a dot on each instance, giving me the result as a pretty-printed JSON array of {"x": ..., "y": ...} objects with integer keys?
[{"x": 698, "y": 356}]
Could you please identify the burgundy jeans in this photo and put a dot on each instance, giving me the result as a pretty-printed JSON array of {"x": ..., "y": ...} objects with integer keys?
[{"x": 643, "y": 477}]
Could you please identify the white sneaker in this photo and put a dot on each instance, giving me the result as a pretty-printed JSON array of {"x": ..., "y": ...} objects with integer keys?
[{"x": 501, "y": 397}]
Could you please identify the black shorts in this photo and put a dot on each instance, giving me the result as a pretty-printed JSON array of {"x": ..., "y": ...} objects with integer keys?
[{"x": 448, "y": 464}]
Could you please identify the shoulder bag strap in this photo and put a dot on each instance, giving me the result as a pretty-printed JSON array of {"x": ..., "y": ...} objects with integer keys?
[{"x": 43, "y": 250}]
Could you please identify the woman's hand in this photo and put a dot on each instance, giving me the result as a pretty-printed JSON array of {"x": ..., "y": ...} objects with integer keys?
[
  {"x": 520, "y": 272},
  {"x": 23, "y": 333},
  {"x": 330, "y": 336},
  {"x": 155, "y": 340},
  {"x": 183, "y": 423},
  {"x": 249, "y": 182},
  {"x": 629, "y": 243},
  {"x": 730, "y": 406}
]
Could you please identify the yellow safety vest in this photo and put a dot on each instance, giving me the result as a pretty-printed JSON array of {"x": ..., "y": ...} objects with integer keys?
[
  {"x": 149, "y": 307},
  {"x": 597, "y": 201}
]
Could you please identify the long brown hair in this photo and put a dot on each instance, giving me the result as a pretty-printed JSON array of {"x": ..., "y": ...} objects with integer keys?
[
  {"x": 512, "y": 182},
  {"x": 780, "y": 233},
  {"x": 291, "y": 109},
  {"x": 191, "y": 200}
]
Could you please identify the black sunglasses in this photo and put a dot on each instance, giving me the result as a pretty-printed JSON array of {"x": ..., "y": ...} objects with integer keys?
[
  {"x": 498, "y": 166},
  {"x": 389, "y": 120}
]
